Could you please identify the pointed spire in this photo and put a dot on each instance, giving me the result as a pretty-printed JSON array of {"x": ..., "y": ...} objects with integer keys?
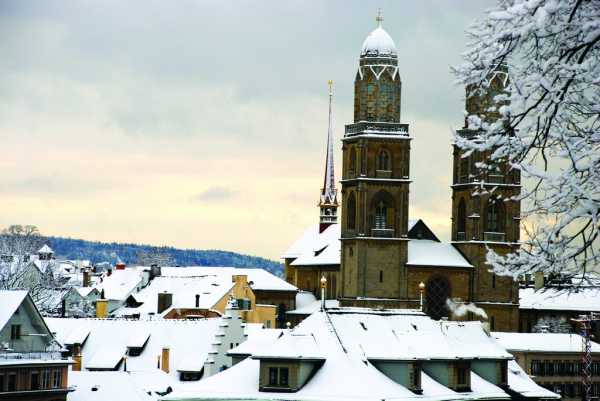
[{"x": 328, "y": 203}]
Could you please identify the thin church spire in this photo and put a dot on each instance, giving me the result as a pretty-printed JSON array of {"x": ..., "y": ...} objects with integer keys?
[{"x": 328, "y": 203}]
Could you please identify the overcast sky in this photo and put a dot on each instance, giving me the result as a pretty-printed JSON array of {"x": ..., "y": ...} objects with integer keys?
[{"x": 202, "y": 124}]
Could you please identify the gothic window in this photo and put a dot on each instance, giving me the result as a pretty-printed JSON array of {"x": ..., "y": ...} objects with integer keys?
[
  {"x": 351, "y": 212},
  {"x": 461, "y": 223},
  {"x": 438, "y": 292},
  {"x": 383, "y": 160},
  {"x": 381, "y": 215},
  {"x": 382, "y": 211},
  {"x": 495, "y": 217},
  {"x": 464, "y": 169}
]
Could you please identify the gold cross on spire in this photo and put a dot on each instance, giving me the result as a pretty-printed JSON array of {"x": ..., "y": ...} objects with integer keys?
[
  {"x": 379, "y": 17},
  {"x": 330, "y": 83}
]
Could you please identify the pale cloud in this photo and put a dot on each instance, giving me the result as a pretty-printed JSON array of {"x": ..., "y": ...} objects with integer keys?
[{"x": 115, "y": 115}]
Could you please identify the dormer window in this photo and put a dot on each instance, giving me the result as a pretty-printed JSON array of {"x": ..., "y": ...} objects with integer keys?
[{"x": 279, "y": 377}]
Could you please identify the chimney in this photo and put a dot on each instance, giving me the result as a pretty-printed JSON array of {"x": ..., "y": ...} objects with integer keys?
[
  {"x": 101, "y": 308},
  {"x": 165, "y": 300},
  {"x": 63, "y": 307},
  {"x": 155, "y": 271},
  {"x": 197, "y": 300},
  {"x": 538, "y": 280},
  {"x": 77, "y": 357},
  {"x": 164, "y": 366},
  {"x": 86, "y": 278},
  {"x": 120, "y": 266}
]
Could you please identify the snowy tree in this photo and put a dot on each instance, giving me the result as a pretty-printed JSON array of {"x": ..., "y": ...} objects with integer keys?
[
  {"x": 546, "y": 125},
  {"x": 17, "y": 271},
  {"x": 154, "y": 257}
]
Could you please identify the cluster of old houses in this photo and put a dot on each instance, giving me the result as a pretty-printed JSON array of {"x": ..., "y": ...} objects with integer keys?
[{"x": 363, "y": 311}]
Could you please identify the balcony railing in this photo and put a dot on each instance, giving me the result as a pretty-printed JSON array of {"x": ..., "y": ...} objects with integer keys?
[
  {"x": 495, "y": 179},
  {"x": 31, "y": 355},
  {"x": 382, "y": 232},
  {"x": 493, "y": 237}
]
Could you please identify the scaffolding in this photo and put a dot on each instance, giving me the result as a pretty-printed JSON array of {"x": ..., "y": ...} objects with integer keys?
[{"x": 584, "y": 322}]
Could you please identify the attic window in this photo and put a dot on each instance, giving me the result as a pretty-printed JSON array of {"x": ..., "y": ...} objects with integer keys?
[{"x": 363, "y": 326}]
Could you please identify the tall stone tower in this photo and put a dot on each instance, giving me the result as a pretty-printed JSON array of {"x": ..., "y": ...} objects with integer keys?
[
  {"x": 328, "y": 202},
  {"x": 485, "y": 215},
  {"x": 375, "y": 179}
]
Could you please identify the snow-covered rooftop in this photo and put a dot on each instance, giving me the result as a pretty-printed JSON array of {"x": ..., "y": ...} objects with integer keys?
[
  {"x": 118, "y": 386},
  {"x": 567, "y": 299},
  {"x": 432, "y": 253},
  {"x": 314, "y": 306},
  {"x": 520, "y": 382},
  {"x": 45, "y": 250},
  {"x": 10, "y": 301},
  {"x": 543, "y": 342},
  {"x": 378, "y": 44},
  {"x": 260, "y": 278},
  {"x": 108, "y": 340},
  {"x": 121, "y": 283},
  {"x": 347, "y": 339},
  {"x": 316, "y": 248}
]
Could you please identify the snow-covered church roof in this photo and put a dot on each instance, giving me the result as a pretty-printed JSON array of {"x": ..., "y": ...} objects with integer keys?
[
  {"x": 379, "y": 44},
  {"x": 315, "y": 248}
]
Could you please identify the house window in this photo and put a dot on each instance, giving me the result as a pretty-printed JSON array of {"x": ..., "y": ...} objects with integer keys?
[
  {"x": 15, "y": 331},
  {"x": 57, "y": 379},
  {"x": 279, "y": 377},
  {"x": 383, "y": 160},
  {"x": 461, "y": 376},
  {"x": 35, "y": 380},
  {"x": 46, "y": 378},
  {"x": 11, "y": 382}
]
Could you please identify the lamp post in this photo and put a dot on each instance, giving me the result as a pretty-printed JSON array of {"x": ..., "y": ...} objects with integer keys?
[
  {"x": 421, "y": 291},
  {"x": 323, "y": 286}
]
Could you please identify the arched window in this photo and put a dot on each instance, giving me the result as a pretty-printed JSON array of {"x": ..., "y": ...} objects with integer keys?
[
  {"x": 383, "y": 160},
  {"x": 438, "y": 292},
  {"x": 495, "y": 217},
  {"x": 351, "y": 212},
  {"x": 381, "y": 211},
  {"x": 461, "y": 220}
]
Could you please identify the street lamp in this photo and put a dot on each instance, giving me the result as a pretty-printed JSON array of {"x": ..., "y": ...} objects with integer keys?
[
  {"x": 323, "y": 286},
  {"x": 421, "y": 291}
]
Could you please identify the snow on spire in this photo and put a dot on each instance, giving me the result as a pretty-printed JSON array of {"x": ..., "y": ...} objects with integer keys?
[{"x": 328, "y": 203}]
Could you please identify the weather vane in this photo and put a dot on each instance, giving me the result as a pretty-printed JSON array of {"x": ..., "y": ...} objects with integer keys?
[{"x": 330, "y": 83}]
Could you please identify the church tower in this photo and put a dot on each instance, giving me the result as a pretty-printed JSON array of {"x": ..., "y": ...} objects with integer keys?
[
  {"x": 485, "y": 214},
  {"x": 375, "y": 179},
  {"x": 328, "y": 202}
]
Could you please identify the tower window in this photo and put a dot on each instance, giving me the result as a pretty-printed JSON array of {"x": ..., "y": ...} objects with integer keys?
[
  {"x": 495, "y": 217},
  {"x": 464, "y": 169},
  {"x": 381, "y": 276},
  {"x": 352, "y": 166},
  {"x": 351, "y": 212},
  {"x": 461, "y": 223},
  {"x": 383, "y": 160},
  {"x": 381, "y": 216}
]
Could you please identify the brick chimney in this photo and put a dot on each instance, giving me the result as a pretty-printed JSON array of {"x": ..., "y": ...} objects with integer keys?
[
  {"x": 86, "y": 278},
  {"x": 197, "y": 300},
  {"x": 101, "y": 308},
  {"x": 164, "y": 357},
  {"x": 165, "y": 300},
  {"x": 120, "y": 266},
  {"x": 77, "y": 358}
]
